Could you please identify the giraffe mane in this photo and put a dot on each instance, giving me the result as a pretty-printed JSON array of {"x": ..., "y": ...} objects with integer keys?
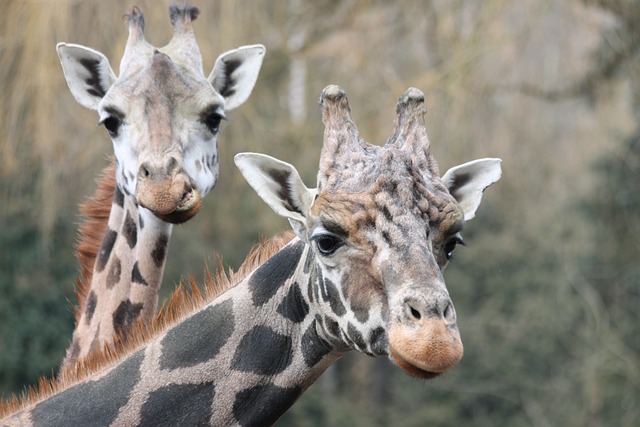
[
  {"x": 95, "y": 213},
  {"x": 187, "y": 298}
]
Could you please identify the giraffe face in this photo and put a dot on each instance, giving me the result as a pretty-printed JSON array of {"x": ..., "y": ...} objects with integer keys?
[
  {"x": 162, "y": 113},
  {"x": 382, "y": 225},
  {"x": 382, "y": 243},
  {"x": 164, "y": 122}
]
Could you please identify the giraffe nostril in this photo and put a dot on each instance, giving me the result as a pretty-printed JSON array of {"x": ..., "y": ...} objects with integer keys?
[
  {"x": 415, "y": 313},
  {"x": 144, "y": 171},
  {"x": 173, "y": 166},
  {"x": 412, "y": 312},
  {"x": 450, "y": 314}
]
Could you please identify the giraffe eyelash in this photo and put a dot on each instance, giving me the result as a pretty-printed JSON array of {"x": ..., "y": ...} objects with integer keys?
[{"x": 451, "y": 245}]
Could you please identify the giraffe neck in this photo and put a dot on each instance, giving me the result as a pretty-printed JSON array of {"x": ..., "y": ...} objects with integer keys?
[
  {"x": 126, "y": 277},
  {"x": 243, "y": 359}
]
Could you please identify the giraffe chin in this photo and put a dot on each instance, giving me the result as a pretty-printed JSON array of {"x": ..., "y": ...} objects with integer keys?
[
  {"x": 411, "y": 369},
  {"x": 425, "y": 352},
  {"x": 186, "y": 210}
]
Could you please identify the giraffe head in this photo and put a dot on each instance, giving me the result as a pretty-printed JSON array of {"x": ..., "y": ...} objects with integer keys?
[
  {"x": 161, "y": 112},
  {"x": 383, "y": 225}
]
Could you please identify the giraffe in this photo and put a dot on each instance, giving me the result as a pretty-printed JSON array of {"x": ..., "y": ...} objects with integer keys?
[
  {"x": 363, "y": 272},
  {"x": 163, "y": 116}
]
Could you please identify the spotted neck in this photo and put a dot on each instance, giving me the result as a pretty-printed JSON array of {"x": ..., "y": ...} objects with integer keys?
[
  {"x": 243, "y": 359},
  {"x": 127, "y": 274},
  {"x": 163, "y": 116}
]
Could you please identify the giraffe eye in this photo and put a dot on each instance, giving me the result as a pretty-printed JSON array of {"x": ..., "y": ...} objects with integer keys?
[
  {"x": 327, "y": 244},
  {"x": 451, "y": 245},
  {"x": 212, "y": 121},
  {"x": 112, "y": 124}
]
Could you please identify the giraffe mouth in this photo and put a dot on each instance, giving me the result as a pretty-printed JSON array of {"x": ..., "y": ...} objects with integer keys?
[
  {"x": 189, "y": 205},
  {"x": 426, "y": 351},
  {"x": 410, "y": 368},
  {"x": 189, "y": 200}
]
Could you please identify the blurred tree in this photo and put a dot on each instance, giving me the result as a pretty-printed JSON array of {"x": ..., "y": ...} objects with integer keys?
[
  {"x": 612, "y": 270},
  {"x": 612, "y": 274},
  {"x": 35, "y": 317}
]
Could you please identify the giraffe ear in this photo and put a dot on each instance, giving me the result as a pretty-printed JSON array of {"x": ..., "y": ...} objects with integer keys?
[
  {"x": 279, "y": 185},
  {"x": 88, "y": 73},
  {"x": 467, "y": 182},
  {"x": 235, "y": 73}
]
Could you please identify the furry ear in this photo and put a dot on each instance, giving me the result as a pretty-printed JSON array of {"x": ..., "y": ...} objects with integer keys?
[
  {"x": 235, "y": 73},
  {"x": 88, "y": 73},
  {"x": 467, "y": 182},
  {"x": 279, "y": 185}
]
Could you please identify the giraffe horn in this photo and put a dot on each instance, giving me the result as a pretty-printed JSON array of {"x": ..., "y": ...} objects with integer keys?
[
  {"x": 410, "y": 131},
  {"x": 183, "y": 45},
  {"x": 341, "y": 136},
  {"x": 136, "y": 43},
  {"x": 136, "y": 26}
]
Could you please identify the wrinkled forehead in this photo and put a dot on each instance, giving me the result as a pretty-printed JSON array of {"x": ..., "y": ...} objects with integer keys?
[
  {"x": 370, "y": 167},
  {"x": 383, "y": 184}
]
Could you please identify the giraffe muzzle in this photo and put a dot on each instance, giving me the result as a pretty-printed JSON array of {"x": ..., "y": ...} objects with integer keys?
[
  {"x": 168, "y": 194},
  {"x": 424, "y": 339}
]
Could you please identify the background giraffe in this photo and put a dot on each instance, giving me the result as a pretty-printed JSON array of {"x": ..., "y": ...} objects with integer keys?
[
  {"x": 163, "y": 116},
  {"x": 364, "y": 273}
]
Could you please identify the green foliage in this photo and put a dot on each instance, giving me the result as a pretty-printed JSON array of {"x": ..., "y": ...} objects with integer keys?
[
  {"x": 612, "y": 275},
  {"x": 35, "y": 318},
  {"x": 613, "y": 267}
]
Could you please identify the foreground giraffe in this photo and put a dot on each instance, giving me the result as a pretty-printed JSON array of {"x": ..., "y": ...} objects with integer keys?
[
  {"x": 363, "y": 273},
  {"x": 163, "y": 116}
]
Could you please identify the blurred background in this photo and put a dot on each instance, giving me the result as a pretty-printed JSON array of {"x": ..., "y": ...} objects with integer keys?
[{"x": 547, "y": 290}]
